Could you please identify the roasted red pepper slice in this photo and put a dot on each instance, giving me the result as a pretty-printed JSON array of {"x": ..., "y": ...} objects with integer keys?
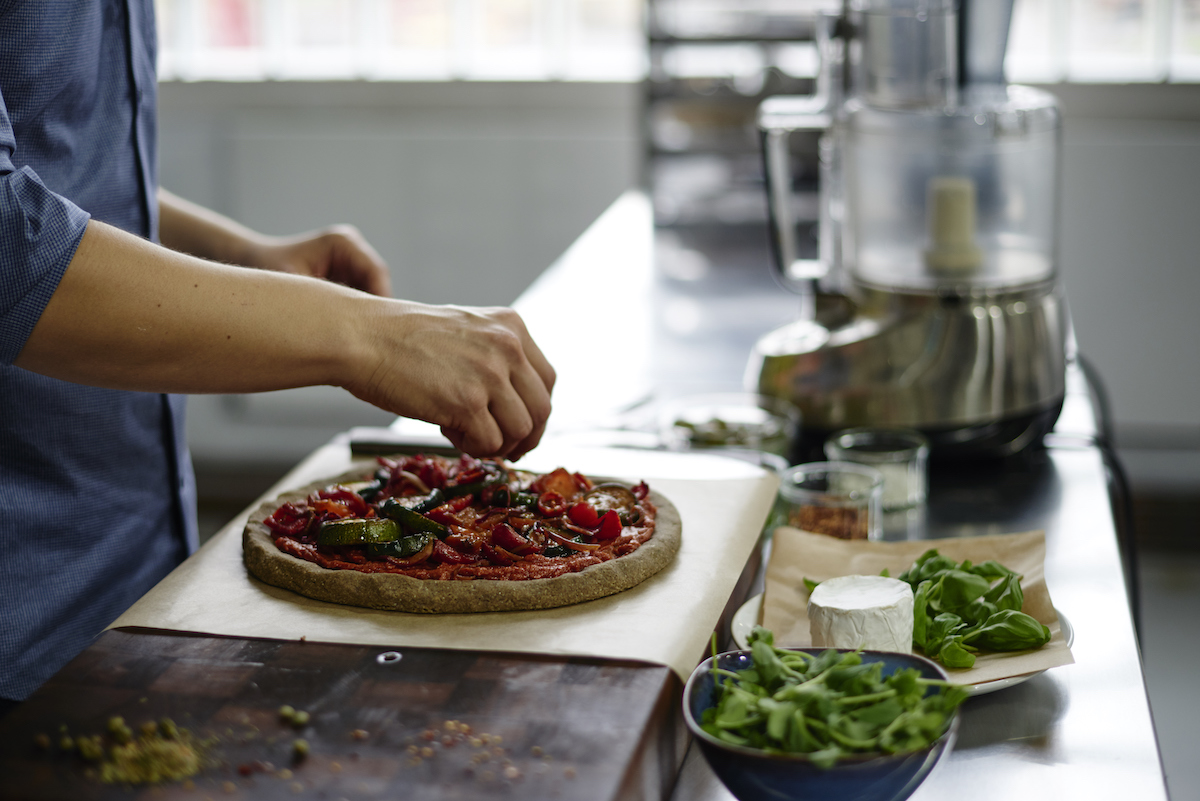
[
  {"x": 446, "y": 553},
  {"x": 348, "y": 498},
  {"x": 610, "y": 526},
  {"x": 429, "y": 471},
  {"x": 328, "y": 510},
  {"x": 584, "y": 514},
  {"x": 551, "y": 504},
  {"x": 469, "y": 476},
  {"x": 497, "y": 556},
  {"x": 506, "y": 537},
  {"x": 289, "y": 519},
  {"x": 444, "y": 514}
]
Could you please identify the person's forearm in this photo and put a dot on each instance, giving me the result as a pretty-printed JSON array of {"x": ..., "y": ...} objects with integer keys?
[
  {"x": 132, "y": 315},
  {"x": 189, "y": 228},
  {"x": 129, "y": 314},
  {"x": 338, "y": 253}
]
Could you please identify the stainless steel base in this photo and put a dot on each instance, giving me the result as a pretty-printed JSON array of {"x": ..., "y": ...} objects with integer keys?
[{"x": 979, "y": 374}]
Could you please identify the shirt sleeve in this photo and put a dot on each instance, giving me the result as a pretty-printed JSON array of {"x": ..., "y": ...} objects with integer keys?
[{"x": 39, "y": 233}]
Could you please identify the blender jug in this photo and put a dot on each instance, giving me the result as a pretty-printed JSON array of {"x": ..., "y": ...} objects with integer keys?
[{"x": 934, "y": 302}]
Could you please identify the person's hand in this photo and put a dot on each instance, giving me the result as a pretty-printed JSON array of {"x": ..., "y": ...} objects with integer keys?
[
  {"x": 475, "y": 372},
  {"x": 338, "y": 253}
]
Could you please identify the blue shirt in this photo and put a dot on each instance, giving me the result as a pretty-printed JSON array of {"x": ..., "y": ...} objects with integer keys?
[{"x": 97, "y": 500}]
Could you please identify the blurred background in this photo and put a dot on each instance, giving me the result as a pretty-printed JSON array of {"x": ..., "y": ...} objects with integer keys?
[{"x": 473, "y": 140}]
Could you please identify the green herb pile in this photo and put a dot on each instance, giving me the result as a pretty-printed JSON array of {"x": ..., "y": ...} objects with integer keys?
[
  {"x": 827, "y": 706},
  {"x": 962, "y": 608}
]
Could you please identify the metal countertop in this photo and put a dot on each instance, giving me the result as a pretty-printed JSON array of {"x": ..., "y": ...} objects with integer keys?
[{"x": 630, "y": 314}]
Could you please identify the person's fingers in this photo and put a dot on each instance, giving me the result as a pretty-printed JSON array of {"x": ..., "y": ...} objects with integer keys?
[
  {"x": 534, "y": 394},
  {"x": 339, "y": 254},
  {"x": 358, "y": 264},
  {"x": 512, "y": 422},
  {"x": 526, "y": 445},
  {"x": 369, "y": 277},
  {"x": 533, "y": 354},
  {"x": 513, "y": 417},
  {"x": 455, "y": 436},
  {"x": 478, "y": 436}
]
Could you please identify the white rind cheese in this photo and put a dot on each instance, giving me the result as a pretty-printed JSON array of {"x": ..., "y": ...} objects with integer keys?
[{"x": 870, "y": 612}]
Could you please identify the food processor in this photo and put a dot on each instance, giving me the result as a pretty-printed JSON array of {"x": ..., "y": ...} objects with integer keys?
[{"x": 934, "y": 301}]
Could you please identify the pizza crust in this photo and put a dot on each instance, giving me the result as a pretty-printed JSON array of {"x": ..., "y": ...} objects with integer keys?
[{"x": 399, "y": 593}]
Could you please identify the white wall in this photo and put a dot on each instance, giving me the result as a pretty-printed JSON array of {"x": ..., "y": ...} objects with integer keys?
[
  {"x": 1131, "y": 263},
  {"x": 468, "y": 190}
]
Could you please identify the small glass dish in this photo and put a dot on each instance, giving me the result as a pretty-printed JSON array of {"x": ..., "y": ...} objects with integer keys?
[
  {"x": 900, "y": 454},
  {"x": 840, "y": 499}
]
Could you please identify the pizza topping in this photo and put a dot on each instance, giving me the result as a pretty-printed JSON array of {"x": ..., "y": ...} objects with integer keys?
[
  {"x": 357, "y": 532},
  {"x": 584, "y": 514},
  {"x": 477, "y": 479},
  {"x": 431, "y": 517},
  {"x": 408, "y": 551},
  {"x": 414, "y": 480},
  {"x": 347, "y": 499},
  {"x": 557, "y": 480},
  {"x": 612, "y": 496},
  {"x": 413, "y": 521},
  {"x": 445, "y": 552},
  {"x": 498, "y": 556},
  {"x": 446, "y": 514},
  {"x": 506, "y": 537},
  {"x": 403, "y": 547},
  {"x": 575, "y": 544},
  {"x": 551, "y": 504},
  {"x": 289, "y": 519},
  {"x": 610, "y": 526}
]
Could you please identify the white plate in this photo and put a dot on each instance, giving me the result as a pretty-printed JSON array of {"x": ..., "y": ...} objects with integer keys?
[{"x": 746, "y": 618}]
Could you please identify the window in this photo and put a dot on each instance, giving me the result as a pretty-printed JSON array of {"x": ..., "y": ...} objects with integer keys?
[
  {"x": 1115, "y": 41},
  {"x": 1050, "y": 40},
  {"x": 401, "y": 39}
]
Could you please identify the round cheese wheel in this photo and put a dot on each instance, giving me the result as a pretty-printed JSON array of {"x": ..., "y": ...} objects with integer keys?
[{"x": 869, "y": 612}]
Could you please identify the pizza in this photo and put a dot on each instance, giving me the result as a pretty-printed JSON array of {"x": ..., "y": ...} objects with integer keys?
[{"x": 438, "y": 534}]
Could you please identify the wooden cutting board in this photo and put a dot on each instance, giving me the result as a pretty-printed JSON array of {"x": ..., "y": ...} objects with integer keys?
[{"x": 410, "y": 723}]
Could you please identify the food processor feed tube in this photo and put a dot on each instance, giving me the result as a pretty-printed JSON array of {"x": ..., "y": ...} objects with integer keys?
[{"x": 935, "y": 303}]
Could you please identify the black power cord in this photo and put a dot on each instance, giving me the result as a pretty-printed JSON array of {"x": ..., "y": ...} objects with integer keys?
[{"x": 1120, "y": 494}]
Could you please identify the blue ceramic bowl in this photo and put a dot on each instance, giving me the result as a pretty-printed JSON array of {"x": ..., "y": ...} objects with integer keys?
[{"x": 753, "y": 775}]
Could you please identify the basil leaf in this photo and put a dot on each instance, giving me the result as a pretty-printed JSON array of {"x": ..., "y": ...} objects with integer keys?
[
  {"x": 943, "y": 626},
  {"x": 991, "y": 570},
  {"x": 978, "y": 611},
  {"x": 1007, "y": 594},
  {"x": 957, "y": 588},
  {"x": 921, "y": 614},
  {"x": 1009, "y": 630},
  {"x": 953, "y": 655}
]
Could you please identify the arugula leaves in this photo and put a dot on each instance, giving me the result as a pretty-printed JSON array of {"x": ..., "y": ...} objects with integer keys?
[{"x": 826, "y": 705}]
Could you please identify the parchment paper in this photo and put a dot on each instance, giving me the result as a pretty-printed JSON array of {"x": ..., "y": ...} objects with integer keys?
[
  {"x": 797, "y": 554},
  {"x": 665, "y": 620}
]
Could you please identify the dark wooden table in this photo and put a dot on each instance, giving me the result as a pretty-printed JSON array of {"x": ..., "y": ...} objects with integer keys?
[{"x": 411, "y": 723}]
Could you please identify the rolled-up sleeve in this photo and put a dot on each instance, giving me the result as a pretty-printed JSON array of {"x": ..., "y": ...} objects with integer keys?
[{"x": 39, "y": 232}]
